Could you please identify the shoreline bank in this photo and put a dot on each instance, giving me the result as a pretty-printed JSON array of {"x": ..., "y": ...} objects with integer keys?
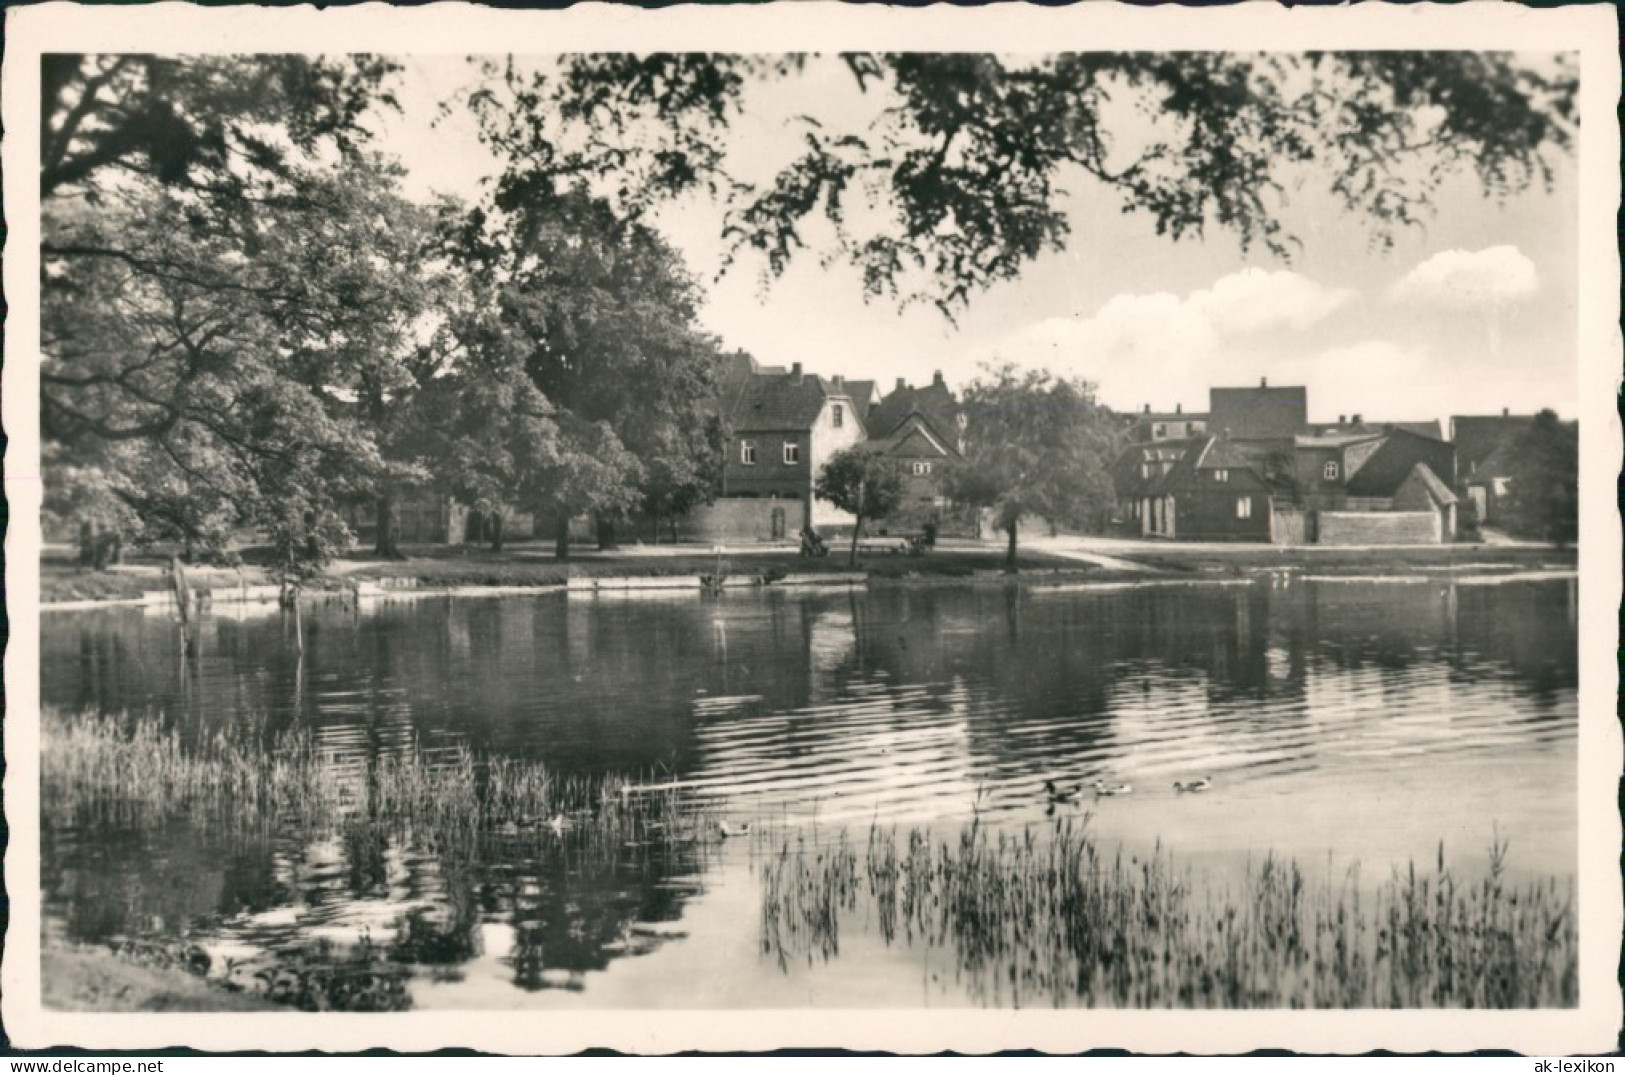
[{"x": 475, "y": 573}]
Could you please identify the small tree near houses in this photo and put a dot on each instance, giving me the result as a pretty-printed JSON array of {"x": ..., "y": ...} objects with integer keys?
[{"x": 860, "y": 481}]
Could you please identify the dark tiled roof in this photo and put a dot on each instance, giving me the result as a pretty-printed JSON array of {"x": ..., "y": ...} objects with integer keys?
[
  {"x": 1477, "y": 436},
  {"x": 1350, "y": 429},
  {"x": 1387, "y": 468},
  {"x": 1430, "y": 430},
  {"x": 1437, "y": 489},
  {"x": 861, "y": 392},
  {"x": 933, "y": 402},
  {"x": 1498, "y": 464},
  {"x": 1211, "y": 453},
  {"x": 774, "y": 402},
  {"x": 1126, "y": 476},
  {"x": 1258, "y": 412}
]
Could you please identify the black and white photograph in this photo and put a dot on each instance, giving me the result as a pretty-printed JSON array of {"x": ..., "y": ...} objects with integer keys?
[{"x": 655, "y": 529}]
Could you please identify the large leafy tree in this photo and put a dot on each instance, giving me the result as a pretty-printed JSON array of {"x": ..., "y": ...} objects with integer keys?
[
  {"x": 1036, "y": 446},
  {"x": 229, "y": 285},
  {"x": 600, "y": 314},
  {"x": 954, "y": 180},
  {"x": 1544, "y": 480}
]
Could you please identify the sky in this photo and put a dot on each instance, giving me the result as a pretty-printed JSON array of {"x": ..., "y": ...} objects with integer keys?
[{"x": 1474, "y": 312}]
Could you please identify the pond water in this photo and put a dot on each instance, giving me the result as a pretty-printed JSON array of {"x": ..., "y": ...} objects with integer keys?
[{"x": 1339, "y": 721}]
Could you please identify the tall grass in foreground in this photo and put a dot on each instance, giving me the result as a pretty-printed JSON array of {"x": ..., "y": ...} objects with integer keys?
[
  {"x": 1045, "y": 917},
  {"x": 135, "y": 771}
]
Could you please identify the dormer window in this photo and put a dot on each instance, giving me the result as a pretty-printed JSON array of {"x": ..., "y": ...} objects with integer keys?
[
  {"x": 792, "y": 453},
  {"x": 1221, "y": 475},
  {"x": 837, "y": 415},
  {"x": 922, "y": 468},
  {"x": 1329, "y": 471},
  {"x": 747, "y": 452}
]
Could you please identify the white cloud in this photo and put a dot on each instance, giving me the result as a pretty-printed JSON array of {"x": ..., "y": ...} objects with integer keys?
[
  {"x": 1255, "y": 301},
  {"x": 1361, "y": 378},
  {"x": 1162, "y": 348},
  {"x": 1469, "y": 279}
]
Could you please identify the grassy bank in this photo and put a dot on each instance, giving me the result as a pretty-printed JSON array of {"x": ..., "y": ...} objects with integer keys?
[
  {"x": 534, "y": 566},
  {"x": 95, "y": 980},
  {"x": 1049, "y": 918}
]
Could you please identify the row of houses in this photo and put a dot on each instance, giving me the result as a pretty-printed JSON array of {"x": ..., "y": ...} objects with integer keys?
[
  {"x": 1254, "y": 468},
  {"x": 1250, "y": 468}
]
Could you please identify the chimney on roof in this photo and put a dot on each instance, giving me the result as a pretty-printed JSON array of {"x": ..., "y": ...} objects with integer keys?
[
  {"x": 1506, "y": 412},
  {"x": 901, "y": 384},
  {"x": 795, "y": 373},
  {"x": 1357, "y": 419},
  {"x": 1179, "y": 408},
  {"x": 840, "y": 382},
  {"x": 1263, "y": 382},
  {"x": 1342, "y": 419},
  {"x": 1148, "y": 408},
  {"x": 936, "y": 378}
]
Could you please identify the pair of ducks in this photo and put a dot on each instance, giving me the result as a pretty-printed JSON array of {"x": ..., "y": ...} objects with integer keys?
[
  {"x": 1073, "y": 794},
  {"x": 1102, "y": 788}
]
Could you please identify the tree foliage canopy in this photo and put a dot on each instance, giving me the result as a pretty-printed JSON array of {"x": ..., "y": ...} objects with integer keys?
[
  {"x": 1036, "y": 446},
  {"x": 1545, "y": 478},
  {"x": 863, "y": 482},
  {"x": 955, "y": 179},
  {"x": 246, "y": 322}
]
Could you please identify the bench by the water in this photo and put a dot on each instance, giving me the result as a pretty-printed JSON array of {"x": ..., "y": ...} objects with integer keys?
[{"x": 901, "y": 544}]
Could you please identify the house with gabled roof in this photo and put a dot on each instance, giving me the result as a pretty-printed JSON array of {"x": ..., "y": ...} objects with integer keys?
[
  {"x": 784, "y": 425},
  {"x": 1351, "y": 488},
  {"x": 922, "y": 429},
  {"x": 1218, "y": 490},
  {"x": 1484, "y": 457}
]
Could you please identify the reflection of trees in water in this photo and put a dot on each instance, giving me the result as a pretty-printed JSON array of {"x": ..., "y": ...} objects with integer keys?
[
  {"x": 340, "y": 918},
  {"x": 590, "y": 685}
]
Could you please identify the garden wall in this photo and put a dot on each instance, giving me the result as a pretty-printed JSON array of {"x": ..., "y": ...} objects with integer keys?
[{"x": 1379, "y": 528}]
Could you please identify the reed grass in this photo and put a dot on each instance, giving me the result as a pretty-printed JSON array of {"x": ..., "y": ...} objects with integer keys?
[
  {"x": 1044, "y": 917},
  {"x": 135, "y": 771}
]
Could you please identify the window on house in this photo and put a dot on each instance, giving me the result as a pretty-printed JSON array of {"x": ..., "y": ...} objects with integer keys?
[
  {"x": 792, "y": 453},
  {"x": 1159, "y": 431},
  {"x": 747, "y": 452},
  {"x": 1145, "y": 470},
  {"x": 1221, "y": 475},
  {"x": 1244, "y": 507},
  {"x": 837, "y": 415},
  {"x": 1329, "y": 471},
  {"x": 922, "y": 467}
]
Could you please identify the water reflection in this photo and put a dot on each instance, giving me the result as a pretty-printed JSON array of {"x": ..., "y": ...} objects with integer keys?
[{"x": 903, "y": 704}]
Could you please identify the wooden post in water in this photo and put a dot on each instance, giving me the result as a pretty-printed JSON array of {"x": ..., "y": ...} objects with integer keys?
[
  {"x": 183, "y": 601},
  {"x": 298, "y": 625}
]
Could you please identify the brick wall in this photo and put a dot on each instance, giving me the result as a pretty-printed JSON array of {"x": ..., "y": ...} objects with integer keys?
[{"x": 1379, "y": 528}]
